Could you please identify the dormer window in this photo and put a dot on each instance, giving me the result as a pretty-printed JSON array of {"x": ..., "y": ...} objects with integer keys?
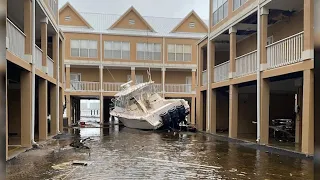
[
  {"x": 132, "y": 21},
  {"x": 67, "y": 18},
  {"x": 192, "y": 25}
]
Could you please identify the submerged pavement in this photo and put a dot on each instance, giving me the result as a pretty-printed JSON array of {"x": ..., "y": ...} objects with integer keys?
[{"x": 122, "y": 153}]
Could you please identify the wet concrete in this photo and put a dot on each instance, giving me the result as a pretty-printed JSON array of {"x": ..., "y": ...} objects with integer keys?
[{"x": 122, "y": 153}]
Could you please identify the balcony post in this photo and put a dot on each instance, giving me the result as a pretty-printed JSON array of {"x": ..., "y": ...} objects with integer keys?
[
  {"x": 308, "y": 23},
  {"x": 68, "y": 77},
  {"x": 28, "y": 26},
  {"x": 193, "y": 110},
  {"x": 43, "y": 109},
  {"x": 101, "y": 94},
  {"x": 193, "y": 88},
  {"x": 263, "y": 37},
  {"x": 26, "y": 98},
  {"x": 233, "y": 51},
  {"x": 44, "y": 42},
  {"x": 233, "y": 111},
  {"x": 163, "y": 81},
  {"x": 53, "y": 110},
  {"x": 211, "y": 96},
  {"x": 101, "y": 78},
  {"x": 68, "y": 109},
  {"x": 264, "y": 111},
  {"x": 133, "y": 75},
  {"x": 55, "y": 56}
]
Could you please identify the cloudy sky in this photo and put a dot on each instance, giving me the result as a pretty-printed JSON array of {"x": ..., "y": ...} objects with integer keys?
[{"x": 160, "y": 8}]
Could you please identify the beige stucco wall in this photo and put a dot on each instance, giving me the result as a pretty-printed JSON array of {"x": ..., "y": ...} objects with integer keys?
[
  {"x": 199, "y": 27},
  {"x": 14, "y": 111},
  {"x": 222, "y": 111},
  {"x": 87, "y": 74},
  {"x": 247, "y": 113},
  {"x": 75, "y": 19},
  {"x": 124, "y": 22},
  {"x": 120, "y": 75},
  {"x": 177, "y": 77}
]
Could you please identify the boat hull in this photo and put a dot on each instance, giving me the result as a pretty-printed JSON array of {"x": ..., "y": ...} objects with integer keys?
[{"x": 138, "y": 124}]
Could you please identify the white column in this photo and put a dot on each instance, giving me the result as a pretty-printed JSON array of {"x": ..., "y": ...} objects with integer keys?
[{"x": 163, "y": 72}]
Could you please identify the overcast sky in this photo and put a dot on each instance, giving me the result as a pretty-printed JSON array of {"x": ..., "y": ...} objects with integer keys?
[{"x": 160, "y": 8}]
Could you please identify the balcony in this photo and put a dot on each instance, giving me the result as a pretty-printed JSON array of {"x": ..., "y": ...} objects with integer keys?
[
  {"x": 204, "y": 77},
  {"x": 221, "y": 72},
  {"x": 38, "y": 58},
  {"x": 178, "y": 88},
  {"x": 85, "y": 86},
  {"x": 286, "y": 51},
  {"x": 112, "y": 87},
  {"x": 16, "y": 40},
  {"x": 50, "y": 66},
  {"x": 246, "y": 64}
]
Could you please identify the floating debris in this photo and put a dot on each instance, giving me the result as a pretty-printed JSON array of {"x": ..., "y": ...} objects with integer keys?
[{"x": 80, "y": 163}]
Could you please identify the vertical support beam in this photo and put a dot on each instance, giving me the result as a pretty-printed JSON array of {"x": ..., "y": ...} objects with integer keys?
[
  {"x": 264, "y": 115},
  {"x": 101, "y": 94},
  {"x": 61, "y": 95},
  {"x": 233, "y": 111},
  {"x": 163, "y": 81},
  {"x": 210, "y": 63},
  {"x": 213, "y": 119},
  {"x": 44, "y": 41},
  {"x": 199, "y": 113},
  {"x": 263, "y": 36},
  {"x": 308, "y": 23},
  {"x": 28, "y": 26},
  {"x": 68, "y": 109},
  {"x": 55, "y": 56},
  {"x": 67, "y": 77},
  {"x": 298, "y": 115},
  {"x": 101, "y": 109},
  {"x": 233, "y": 51},
  {"x": 26, "y": 98},
  {"x": 308, "y": 113},
  {"x": 43, "y": 109},
  {"x": 133, "y": 75},
  {"x": 193, "y": 110},
  {"x": 193, "y": 86},
  {"x": 53, "y": 110}
]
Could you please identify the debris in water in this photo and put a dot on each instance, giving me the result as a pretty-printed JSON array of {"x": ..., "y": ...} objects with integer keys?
[
  {"x": 233, "y": 170},
  {"x": 79, "y": 163},
  {"x": 61, "y": 166}
]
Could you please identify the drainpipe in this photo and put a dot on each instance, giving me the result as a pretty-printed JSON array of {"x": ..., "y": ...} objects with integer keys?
[
  {"x": 258, "y": 75},
  {"x": 58, "y": 84},
  {"x": 33, "y": 81}
]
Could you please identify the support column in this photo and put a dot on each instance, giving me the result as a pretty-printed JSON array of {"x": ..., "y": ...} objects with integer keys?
[
  {"x": 43, "y": 109},
  {"x": 133, "y": 75},
  {"x": 67, "y": 77},
  {"x": 163, "y": 81},
  {"x": 26, "y": 99},
  {"x": 101, "y": 95},
  {"x": 55, "y": 56},
  {"x": 263, "y": 36},
  {"x": 210, "y": 64},
  {"x": 264, "y": 115},
  {"x": 68, "y": 109},
  {"x": 233, "y": 111},
  {"x": 193, "y": 110},
  {"x": 213, "y": 122},
  {"x": 53, "y": 110},
  {"x": 308, "y": 23},
  {"x": 194, "y": 83},
  {"x": 233, "y": 51},
  {"x": 307, "y": 146},
  {"x": 44, "y": 42},
  {"x": 298, "y": 111},
  {"x": 200, "y": 115},
  {"x": 28, "y": 26},
  {"x": 61, "y": 95}
]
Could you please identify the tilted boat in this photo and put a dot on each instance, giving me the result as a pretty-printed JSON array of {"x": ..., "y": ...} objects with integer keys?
[{"x": 141, "y": 107}]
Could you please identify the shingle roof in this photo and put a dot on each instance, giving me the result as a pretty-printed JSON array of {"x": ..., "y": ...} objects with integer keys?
[{"x": 161, "y": 25}]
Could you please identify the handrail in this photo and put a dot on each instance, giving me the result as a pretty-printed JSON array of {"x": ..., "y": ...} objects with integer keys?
[
  {"x": 39, "y": 48},
  {"x": 285, "y": 39},
  {"x": 246, "y": 54},
  {"x": 50, "y": 58},
  {"x": 16, "y": 27},
  {"x": 222, "y": 64}
]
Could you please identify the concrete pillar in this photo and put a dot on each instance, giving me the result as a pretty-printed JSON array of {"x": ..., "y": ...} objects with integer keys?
[
  {"x": 264, "y": 111},
  {"x": 213, "y": 118},
  {"x": 308, "y": 23},
  {"x": 233, "y": 111},
  {"x": 67, "y": 77},
  {"x": 298, "y": 119},
  {"x": 233, "y": 51},
  {"x": 43, "y": 109},
  {"x": 106, "y": 110},
  {"x": 210, "y": 101},
  {"x": 101, "y": 95},
  {"x": 26, "y": 98},
  {"x": 133, "y": 75},
  {"x": 61, "y": 95},
  {"x": 263, "y": 35},
  {"x": 194, "y": 83},
  {"x": 53, "y": 110},
  {"x": 68, "y": 109},
  {"x": 44, "y": 40},
  {"x": 163, "y": 81},
  {"x": 28, "y": 26},
  {"x": 101, "y": 109},
  {"x": 308, "y": 113},
  {"x": 55, "y": 56},
  {"x": 193, "y": 110},
  {"x": 199, "y": 113}
]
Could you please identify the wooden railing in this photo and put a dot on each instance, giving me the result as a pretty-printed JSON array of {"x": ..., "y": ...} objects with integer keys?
[
  {"x": 85, "y": 86},
  {"x": 50, "y": 66},
  {"x": 178, "y": 88},
  {"x": 286, "y": 51},
  {"x": 16, "y": 40},
  {"x": 221, "y": 72},
  {"x": 204, "y": 77},
  {"x": 112, "y": 87},
  {"x": 246, "y": 64},
  {"x": 38, "y": 58}
]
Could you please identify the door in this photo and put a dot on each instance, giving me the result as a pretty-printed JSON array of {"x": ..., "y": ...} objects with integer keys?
[{"x": 188, "y": 83}]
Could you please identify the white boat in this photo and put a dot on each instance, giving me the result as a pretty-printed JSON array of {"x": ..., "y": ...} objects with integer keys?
[{"x": 141, "y": 107}]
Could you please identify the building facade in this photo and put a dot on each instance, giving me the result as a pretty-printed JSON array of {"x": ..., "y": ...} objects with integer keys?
[
  {"x": 34, "y": 73},
  {"x": 104, "y": 51},
  {"x": 255, "y": 66}
]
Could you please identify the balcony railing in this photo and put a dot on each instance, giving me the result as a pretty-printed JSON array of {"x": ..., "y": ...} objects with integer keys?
[
  {"x": 204, "y": 77},
  {"x": 16, "y": 40},
  {"x": 178, "y": 88},
  {"x": 221, "y": 72},
  {"x": 85, "y": 86},
  {"x": 38, "y": 58},
  {"x": 50, "y": 66},
  {"x": 246, "y": 64},
  {"x": 53, "y": 5},
  {"x": 286, "y": 51},
  {"x": 157, "y": 87},
  {"x": 112, "y": 87}
]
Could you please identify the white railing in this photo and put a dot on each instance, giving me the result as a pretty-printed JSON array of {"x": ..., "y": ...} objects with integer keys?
[
  {"x": 38, "y": 58},
  {"x": 90, "y": 113},
  {"x": 50, "y": 66},
  {"x": 157, "y": 87},
  {"x": 204, "y": 77},
  {"x": 53, "y": 5},
  {"x": 112, "y": 87},
  {"x": 286, "y": 51},
  {"x": 246, "y": 64},
  {"x": 16, "y": 40},
  {"x": 221, "y": 72},
  {"x": 178, "y": 88},
  {"x": 85, "y": 86}
]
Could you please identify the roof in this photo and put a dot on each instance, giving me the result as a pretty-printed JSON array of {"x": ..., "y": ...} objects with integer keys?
[{"x": 162, "y": 26}]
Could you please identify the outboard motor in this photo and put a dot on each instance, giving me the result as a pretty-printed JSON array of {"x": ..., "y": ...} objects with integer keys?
[
  {"x": 166, "y": 119},
  {"x": 182, "y": 114},
  {"x": 174, "y": 117}
]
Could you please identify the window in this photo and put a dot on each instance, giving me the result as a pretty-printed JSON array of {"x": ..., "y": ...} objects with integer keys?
[
  {"x": 148, "y": 51},
  {"x": 67, "y": 18},
  {"x": 238, "y": 3},
  {"x": 116, "y": 50},
  {"x": 84, "y": 48},
  {"x": 132, "y": 22},
  {"x": 220, "y": 10},
  {"x": 192, "y": 25},
  {"x": 179, "y": 52}
]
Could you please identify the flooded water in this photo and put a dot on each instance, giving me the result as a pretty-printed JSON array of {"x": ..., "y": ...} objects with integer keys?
[{"x": 122, "y": 153}]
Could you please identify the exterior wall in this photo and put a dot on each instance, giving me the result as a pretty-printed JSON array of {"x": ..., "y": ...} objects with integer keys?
[
  {"x": 247, "y": 113},
  {"x": 181, "y": 41},
  {"x": 124, "y": 22},
  {"x": 179, "y": 77},
  {"x": 155, "y": 75},
  {"x": 75, "y": 20},
  {"x": 222, "y": 111},
  {"x": 120, "y": 75},
  {"x": 184, "y": 27},
  {"x": 87, "y": 74},
  {"x": 14, "y": 111}
]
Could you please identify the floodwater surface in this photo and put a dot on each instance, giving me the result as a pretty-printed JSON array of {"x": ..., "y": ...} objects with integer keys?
[{"x": 122, "y": 153}]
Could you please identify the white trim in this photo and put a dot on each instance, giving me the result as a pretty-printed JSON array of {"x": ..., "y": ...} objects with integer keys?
[
  {"x": 44, "y": 20},
  {"x": 307, "y": 54},
  {"x": 263, "y": 66},
  {"x": 264, "y": 11},
  {"x": 232, "y": 30},
  {"x": 230, "y": 75}
]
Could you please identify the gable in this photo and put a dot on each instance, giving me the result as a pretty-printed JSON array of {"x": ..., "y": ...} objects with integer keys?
[
  {"x": 131, "y": 20},
  {"x": 69, "y": 17},
  {"x": 199, "y": 26}
]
